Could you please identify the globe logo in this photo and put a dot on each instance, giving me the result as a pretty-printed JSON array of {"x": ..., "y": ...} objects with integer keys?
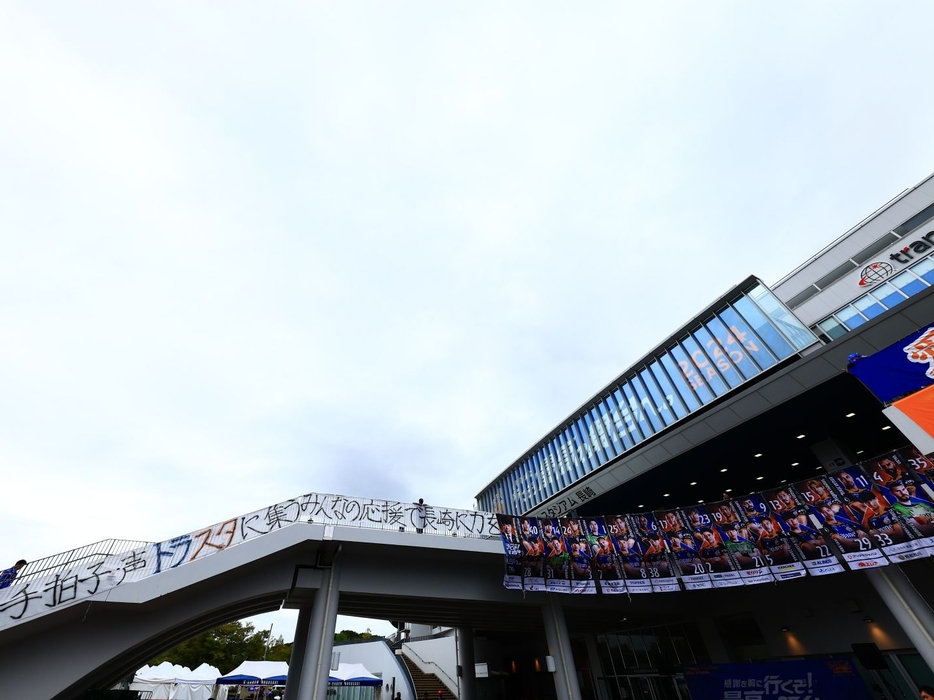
[{"x": 876, "y": 272}]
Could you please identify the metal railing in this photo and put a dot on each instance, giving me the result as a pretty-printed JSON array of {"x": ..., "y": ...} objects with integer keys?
[{"x": 66, "y": 560}]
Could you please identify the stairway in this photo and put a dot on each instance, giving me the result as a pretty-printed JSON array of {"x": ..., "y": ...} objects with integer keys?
[{"x": 426, "y": 685}]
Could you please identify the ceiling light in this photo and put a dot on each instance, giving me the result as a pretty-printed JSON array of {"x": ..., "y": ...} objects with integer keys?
[
  {"x": 759, "y": 478},
  {"x": 800, "y": 436},
  {"x": 666, "y": 495},
  {"x": 850, "y": 415},
  {"x": 693, "y": 483},
  {"x": 701, "y": 500},
  {"x": 640, "y": 506},
  {"x": 784, "y": 480},
  {"x": 795, "y": 464},
  {"x": 723, "y": 470},
  {"x": 818, "y": 467},
  {"x": 728, "y": 490},
  {"x": 886, "y": 427},
  {"x": 757, "y": 455},
  {"x": 786, "y": 629},
  {"x": 859, "y": 452}
]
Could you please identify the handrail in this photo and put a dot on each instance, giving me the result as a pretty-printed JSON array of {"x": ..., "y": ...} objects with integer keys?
[{"x": 437, "y": 670}]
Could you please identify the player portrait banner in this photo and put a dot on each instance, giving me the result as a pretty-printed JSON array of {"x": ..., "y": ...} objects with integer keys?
[
  {"x": 878, "y": 512},
  {"x": 557, "y": 568},
  {"x": 807, "y": 678},
  {"x": 873, "y": 499},
  {"x": 607, "y": 569},
  {"x": 513, "y": 548},
  {"x": 579, "y": 556},
  {"x": 684, "y": 549},
  {"x": 654, "y": 565},
  {"x": 900, "y": 369}
]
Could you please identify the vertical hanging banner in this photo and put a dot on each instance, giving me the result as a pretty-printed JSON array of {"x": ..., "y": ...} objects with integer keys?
[
  {"x": 557, "y": 566},
  {"x": 873, "y": 507},
  {"x": 695, "y": 574},
  {"x": 787, "y": 505},
  {"x": 628, "y": 554},
  {"x": 859, "y": 550},
  {"x": 579, "y": 557},
  {"x": 902, "y": 480},
  {"x": 655, "y": 565},
  {"x": 607, "y": 568},
  {"x": 513, "y": 549},
  {"x": 533, "y": 555},
  {"x": 723, "y": 570},
  {"x": 774, "y": 541},
  {"x": 742, "y": 539}
]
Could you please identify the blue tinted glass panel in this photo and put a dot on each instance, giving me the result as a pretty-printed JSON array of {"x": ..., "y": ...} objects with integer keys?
[
  {"x": 564, "y": 457},
  {"x": 732, "y": 348},
  {"x": 542, "y": 475},
  {"x": 635, "y": 410},
  {"x": 925, "y": 270},
  {"x": 671, "y": 397},
  {"x": 786, "y": 322},
  {"x": 704, "y": 365},
  {"x": 679, "y": 381},
  {"x": 888, "y": 295},
  {"x": 548, "y": 459},
  {"x": 644, "y": 412},
  {"x": 648, "y": 402},
  {"x": 595, "y": 438},
  {"x": 585, "y": 452},
  {"x": 745, "y": 336},
  {"x": 868, "y": 307},
  {"x": 537, "y": 480},
  {"x": 614, "y": 425},
  {"x": 551, "y": 448},
  {"x": 625, "y": 414},
  {"x": 718, "y": 357},
  {"x": 661, "y": 410},
  {"x": 850, "y": 317},
  {"x": 908, "y": 283},
  {"x": 691, "y": 374},
  {"x": 760, "y": 324},
  {"x": 832, "y": 328},
  {"x": 597, "y": 419},
  {"x": 550, "y": 471},
  {"x": 574, "y": 453}
]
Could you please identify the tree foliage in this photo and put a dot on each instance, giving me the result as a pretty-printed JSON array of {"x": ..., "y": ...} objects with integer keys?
[
  {"x": 227, "y": 646},
  {"x": 224, "y": 647}
]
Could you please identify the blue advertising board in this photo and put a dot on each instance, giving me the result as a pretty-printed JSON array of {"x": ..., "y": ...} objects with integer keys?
[{"x": 806, "y": 679}]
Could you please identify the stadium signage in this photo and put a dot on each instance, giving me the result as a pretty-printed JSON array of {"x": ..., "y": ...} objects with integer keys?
[{"x": 879, "y": 271}]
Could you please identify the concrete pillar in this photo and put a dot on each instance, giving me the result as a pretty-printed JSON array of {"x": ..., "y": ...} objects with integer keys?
[
  {"x": 559, "y": 648},
  {"x": 314, "y": 641},
  {"x": 908, "y": 607},
  {"x": 466, "y": 664}
]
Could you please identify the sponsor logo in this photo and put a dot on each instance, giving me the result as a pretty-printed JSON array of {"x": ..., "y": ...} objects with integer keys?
[
  {"x": 791, "y": 574},
  {"x": 867, "y": 564},
  {"x": 879, "y": 271}
]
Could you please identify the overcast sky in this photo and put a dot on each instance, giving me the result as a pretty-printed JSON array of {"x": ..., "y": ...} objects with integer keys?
[{"x": 254, "y": 250}]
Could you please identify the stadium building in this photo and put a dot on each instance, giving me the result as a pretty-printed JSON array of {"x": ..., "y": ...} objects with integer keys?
[{"x": 749, "y": 396}]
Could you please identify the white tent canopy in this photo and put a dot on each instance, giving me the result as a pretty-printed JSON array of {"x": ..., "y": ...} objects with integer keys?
[
  {"x": 255, "y": 671},
  {"x": 169, "y": 681}
]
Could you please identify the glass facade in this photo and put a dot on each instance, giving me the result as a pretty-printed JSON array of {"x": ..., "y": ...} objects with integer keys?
[
  {"x": 746, "y": 334},
  {"x": 876, "y": 301}
]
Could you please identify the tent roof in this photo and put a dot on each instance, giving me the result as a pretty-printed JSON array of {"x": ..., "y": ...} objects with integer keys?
[
  {"x": 352, "y": 673},
  {"x": 255, "y": 671}
]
